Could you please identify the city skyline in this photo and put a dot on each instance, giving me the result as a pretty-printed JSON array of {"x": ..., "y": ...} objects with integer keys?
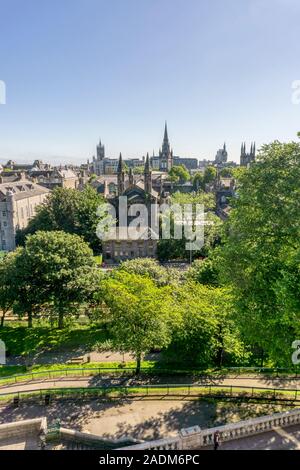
[{"x": 77, "y": 71}]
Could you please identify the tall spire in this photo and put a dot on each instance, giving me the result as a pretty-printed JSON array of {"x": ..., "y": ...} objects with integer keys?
[
  {"x": 147, "y": 164},
  {"x": 147, "y": 175},
  {"x": 120, "y": 164},
  {"x": 166, "y": 138},
  {"x": 130, "y": 176},
  {"x": 166, "y": 160},
  {"x": 121, "y": 176}
]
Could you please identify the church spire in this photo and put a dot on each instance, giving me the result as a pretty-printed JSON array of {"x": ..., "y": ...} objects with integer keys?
[
  {"x": 130, "y": 176},
  {"x": 121, "y": 176},
  {"x": 166, "y": 138},
  {"x": 147, "y": 164},
  {"x": 166, "y": 159},
  {"x": 147, "y": 175},
  {"x": 120, "y": 164}
]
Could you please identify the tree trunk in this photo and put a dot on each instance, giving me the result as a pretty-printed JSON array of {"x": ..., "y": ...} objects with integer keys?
[
  {"x": 30, "y": 319},
  {"x": 60, "y": 319},
  {"x": 138, "y": 363},
  {"x": 262, "y": 358},
  {"x": 2, "y": 319},
  {"x": 220, "y": 357}
]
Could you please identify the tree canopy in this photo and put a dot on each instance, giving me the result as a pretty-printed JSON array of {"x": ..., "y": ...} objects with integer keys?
[
  {"x": 261, "y": 252},
  {"x": 68, "y": 210},
  {"x": 179, "y": 173}
]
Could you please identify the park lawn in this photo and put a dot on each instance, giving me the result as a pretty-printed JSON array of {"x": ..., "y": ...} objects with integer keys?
[{"x": 20, "y": 340}]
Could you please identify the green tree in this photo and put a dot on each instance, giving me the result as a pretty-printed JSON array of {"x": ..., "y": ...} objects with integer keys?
[
  {"x": 68, "y": 210},
  {"x": 53, "y": 268},
  {"x": 198, "y": 181},
  {"x": 210, "y": 174},
  {"x": 179, "y": 173},
  {"x": 227, "y": 172},
  {"x": 151, "y": 268},
  {"x": 206, "y": 332},
  {"x": 139, "y": 311},
  {"x": 204, "y": 271},
  {"x": 7, "y": 284},
  {"x": 260, "y": 252}
]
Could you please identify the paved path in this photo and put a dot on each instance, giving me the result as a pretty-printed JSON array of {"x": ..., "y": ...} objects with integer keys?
[
  {"x": 94, "y": 381},
  {"x": 279, "y": 439}
]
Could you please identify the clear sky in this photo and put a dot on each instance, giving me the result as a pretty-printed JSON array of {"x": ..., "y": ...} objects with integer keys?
[{"x": 77, "y": 70}]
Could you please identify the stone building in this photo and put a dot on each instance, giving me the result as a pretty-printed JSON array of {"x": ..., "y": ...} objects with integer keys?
[
  {"x": 163, "y": 162},
  {"x": 18, "y": 202},
  {"x": 247, "y": 158},
  {"x": 122, "y": 246},
  {"x": 62, "y": 177},
  {"x": 221, "y": 156}
]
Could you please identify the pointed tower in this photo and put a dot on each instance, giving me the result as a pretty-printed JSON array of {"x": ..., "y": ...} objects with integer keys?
[
  {"x": 121, "y": 176},
  {"x": 165, "y": 155},
  {"x": 147, "y": 175},
  {"x": 130, "y": 176},
  {"x": 100, "y": 151},
  {"x": 243, "y": 154}
]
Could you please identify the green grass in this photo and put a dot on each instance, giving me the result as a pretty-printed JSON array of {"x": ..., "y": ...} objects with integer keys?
[
  {"x": 155, "y": 391},
  {"x": 10, "y": 374},
  {"x": 20, "y": 340}
]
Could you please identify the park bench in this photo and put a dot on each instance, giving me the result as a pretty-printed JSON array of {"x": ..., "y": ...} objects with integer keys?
[{"x": 78, "y": 360}]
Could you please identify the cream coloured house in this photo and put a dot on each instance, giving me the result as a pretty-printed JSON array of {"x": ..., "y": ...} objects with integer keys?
[{"x": 18, "y": 202}]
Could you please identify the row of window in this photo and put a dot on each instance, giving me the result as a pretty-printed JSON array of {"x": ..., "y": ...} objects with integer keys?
[{"x": 129, "y": 253}]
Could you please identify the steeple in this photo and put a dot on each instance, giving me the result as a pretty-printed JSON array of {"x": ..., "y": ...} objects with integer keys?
[
  {"x": 121, "y": 176},
  {"x": 147, "y": 164},
  {"x": 120, "y": 164},
  {"x": 165, "y": 155},
  {"x": 166, "y": 143},
  {"x": 147, "y": 175},
  {"x": 130, "y": 176}
]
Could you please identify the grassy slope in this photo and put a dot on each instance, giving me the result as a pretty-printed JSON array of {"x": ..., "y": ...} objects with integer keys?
[{"x": 21, "y": 340}]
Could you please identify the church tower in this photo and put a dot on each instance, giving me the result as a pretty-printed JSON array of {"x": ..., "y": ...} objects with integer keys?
[
  {"x": 130, "y": 177},
  {"x": 100, "y": 151},
  {"x": 121, "y": 176},
  {"x": 147, "y": 175},
  {"x": 165, "y": 154},
  {"x": 247, "y": 158}
]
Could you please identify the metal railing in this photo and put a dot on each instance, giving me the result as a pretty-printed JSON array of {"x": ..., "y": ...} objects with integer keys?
[
  {"x": 161, "y": 390},
  {"x": 90, "y": 371}
]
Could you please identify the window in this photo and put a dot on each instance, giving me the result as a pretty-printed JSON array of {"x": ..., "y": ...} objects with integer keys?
[
  {"x": 4, "y": 224},
  {"x": 4, "y": 213}
]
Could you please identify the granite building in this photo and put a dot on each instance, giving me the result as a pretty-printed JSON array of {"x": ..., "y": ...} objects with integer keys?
[{"x": 18, "y": 202}]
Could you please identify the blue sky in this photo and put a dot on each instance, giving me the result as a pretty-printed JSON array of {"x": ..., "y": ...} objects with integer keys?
[{"x": 77, "y": 70}]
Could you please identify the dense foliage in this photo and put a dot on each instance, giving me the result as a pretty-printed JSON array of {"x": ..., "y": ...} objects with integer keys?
[{"x": 68, "y": 210}]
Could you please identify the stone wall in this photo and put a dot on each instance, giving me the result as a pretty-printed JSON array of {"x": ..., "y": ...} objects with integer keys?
[
  {"x": 26, "y": 428},
  {"x": 195, "y": 438}
]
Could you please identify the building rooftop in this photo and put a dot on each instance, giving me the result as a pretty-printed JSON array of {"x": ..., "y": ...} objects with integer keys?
[{"x": 21, "y": 189}]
